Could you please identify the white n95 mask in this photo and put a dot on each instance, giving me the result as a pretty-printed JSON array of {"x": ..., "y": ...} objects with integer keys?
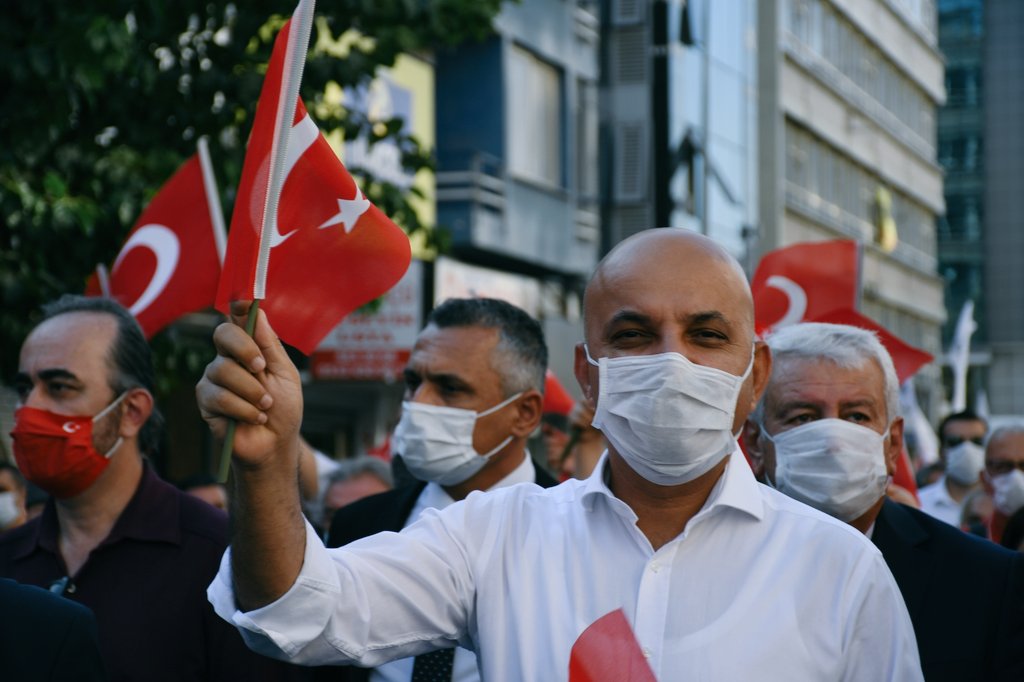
[
  {"x": 436, "y": 442},
  {"x": 1009, "y": 491},
  {"x": 670, "y": 419},
  {"x": 964, "y": 462},
  {"x": 833, "y": 465}
]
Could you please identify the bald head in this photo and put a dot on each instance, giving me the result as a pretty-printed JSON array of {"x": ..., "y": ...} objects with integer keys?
[{"x": 672, "y": 257}]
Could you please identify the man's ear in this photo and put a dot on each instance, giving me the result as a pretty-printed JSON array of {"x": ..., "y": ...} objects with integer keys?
[
  {"x": 894, "y": 446},
  {"x": 581, "y": 368},
  {"x": 751, "y": 437},
  {"x": 136, "y": 408},
  {"x": 761, "y": 372},
  {"x": 528, "y": 413}
]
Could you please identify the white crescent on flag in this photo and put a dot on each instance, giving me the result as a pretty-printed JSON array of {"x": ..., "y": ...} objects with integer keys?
[
  {"x": 164, "y": 244},
  {"x": 301, "y": 137},
  {"x": 797, "y": 300}
]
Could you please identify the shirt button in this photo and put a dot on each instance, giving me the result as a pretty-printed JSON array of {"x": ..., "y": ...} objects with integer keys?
[
  {"x": 655, "y": 566},
  {"x": 647, "y": 652}
]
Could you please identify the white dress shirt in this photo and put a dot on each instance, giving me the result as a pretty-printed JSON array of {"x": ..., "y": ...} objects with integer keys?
[
  {"x": 936, "y": 501},
  {"x": 464, "y": 668},
  {"x": 756, "y": 587}
]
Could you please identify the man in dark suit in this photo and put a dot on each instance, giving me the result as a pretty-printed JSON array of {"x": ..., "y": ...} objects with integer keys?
[
  {"x": 475, "y": 359},
  {"x": 45, "y": 637},
  {"x": 828, "y": 433}
]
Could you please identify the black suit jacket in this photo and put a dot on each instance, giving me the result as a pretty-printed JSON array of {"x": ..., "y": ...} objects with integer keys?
[
  {"x": 375, "y": 514},
  {"x": 46, "y": 637},
  {"x": 965, "y": 596}
]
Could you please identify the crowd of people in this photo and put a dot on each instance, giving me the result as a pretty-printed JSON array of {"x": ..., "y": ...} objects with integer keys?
[{"x": 730, "y": 496}]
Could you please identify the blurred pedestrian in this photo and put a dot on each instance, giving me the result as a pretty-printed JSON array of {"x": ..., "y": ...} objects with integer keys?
[
  {"x": 12, "y": 497},
  {"x": 829, "y": 432},
  {"x": 1003, "y": 479},
  {"x": 962, "y": 456},
  {"x": 354, "y": 479}
]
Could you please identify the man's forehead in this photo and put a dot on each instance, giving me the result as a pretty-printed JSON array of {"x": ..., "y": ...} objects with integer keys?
[
  {"x": 69, "y": 341},
  {"x": 455, "y": 346},
  {"x": 796, "y": 378},
  {"x": 964, "y": 426},
  {"x": 1008, "y": 445}
]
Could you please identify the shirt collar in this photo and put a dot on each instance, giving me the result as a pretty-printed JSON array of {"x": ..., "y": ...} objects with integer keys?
[
  {"x": 151, "y": 514},
  {"x": 737, "y": 488},
  {"x": 434, "y": 496}
]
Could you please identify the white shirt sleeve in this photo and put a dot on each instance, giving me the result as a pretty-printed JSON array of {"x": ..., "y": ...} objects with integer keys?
[
  {"x": 416, "y": 589},
  {"x": 880, "y": 637}
]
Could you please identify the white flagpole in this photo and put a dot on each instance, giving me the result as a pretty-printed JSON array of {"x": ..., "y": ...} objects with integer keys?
[
  {"x": 104, "y": 279},
  {"x": 212, "y": 198},
  {"x": 291, "y": 76},
  {"x": 960, "y": 356},
  {"x": 927, "y": 443}
]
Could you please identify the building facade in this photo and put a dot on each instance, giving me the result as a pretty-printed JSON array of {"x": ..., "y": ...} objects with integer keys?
[{"x": 849, "y": 91}]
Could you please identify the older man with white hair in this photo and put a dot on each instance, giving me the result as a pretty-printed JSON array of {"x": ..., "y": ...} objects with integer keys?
[
  {"x": 828, "y": 433},
  {"x": 1003, "y": 478}
]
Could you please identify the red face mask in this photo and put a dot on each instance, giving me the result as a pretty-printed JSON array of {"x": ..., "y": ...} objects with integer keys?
[{"x": 55, "y": 451}]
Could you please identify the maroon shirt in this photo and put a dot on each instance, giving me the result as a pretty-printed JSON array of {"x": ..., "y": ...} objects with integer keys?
[{"x": 146, "y": 583}]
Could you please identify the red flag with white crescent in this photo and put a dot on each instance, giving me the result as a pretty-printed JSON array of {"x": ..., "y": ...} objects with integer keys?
[
  {"x": 170, "y": 263},
  {"x": 325, "y": 250},
  {"x": 800, "y": 282}
]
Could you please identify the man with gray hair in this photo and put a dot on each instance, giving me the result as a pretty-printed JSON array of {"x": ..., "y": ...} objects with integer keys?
[
  {"x": 474, "y": 357},
  {"x": 828, "y": 433},
  {"x": 1003, "y": 478}
]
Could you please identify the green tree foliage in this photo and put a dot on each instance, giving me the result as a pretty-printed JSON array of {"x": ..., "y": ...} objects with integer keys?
[{"x": 103, "y": 100}]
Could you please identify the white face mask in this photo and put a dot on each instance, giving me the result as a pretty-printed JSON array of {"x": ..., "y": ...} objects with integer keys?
[
  {"x": 670, "y": 419},
  {"x": 832, "y": 465},
  {"x": 964, "y": 462},
  {"x": 436, "y": 442},
  {"x": 8, "y": 508},
  {"x": 1009, "y": 491}
]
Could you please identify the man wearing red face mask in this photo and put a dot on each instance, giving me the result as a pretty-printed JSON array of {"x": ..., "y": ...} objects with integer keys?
[{"x": 114, "y": 536}]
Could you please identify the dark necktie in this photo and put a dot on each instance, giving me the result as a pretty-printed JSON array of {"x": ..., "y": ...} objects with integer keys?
[{"x": 435, "y": 666}]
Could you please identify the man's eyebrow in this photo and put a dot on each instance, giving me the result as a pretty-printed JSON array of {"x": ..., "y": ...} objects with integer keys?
[
  {"x": 783, "y": 407},
  {"x": 45, "y": 375},
  {"x": 627, "y": 316},
  {"x": 56, "y": 373},
  {"x": 707, "y": 316}
]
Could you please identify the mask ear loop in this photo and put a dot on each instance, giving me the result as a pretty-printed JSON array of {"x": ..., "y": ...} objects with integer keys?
[{"x": 106, "y": 410}]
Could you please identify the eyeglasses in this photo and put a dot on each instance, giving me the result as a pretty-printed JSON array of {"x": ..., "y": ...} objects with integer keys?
[
  {"x": 1003, "y": 466},
  {"x": 953, "y": 441}
]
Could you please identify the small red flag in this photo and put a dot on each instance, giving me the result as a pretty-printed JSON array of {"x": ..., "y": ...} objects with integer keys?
[
  {"x": 802, "y": 281},
  {"x": 331, "y": 250},
  {"x": 608, "y": 650},
  {"x": 170, "y": 263}
]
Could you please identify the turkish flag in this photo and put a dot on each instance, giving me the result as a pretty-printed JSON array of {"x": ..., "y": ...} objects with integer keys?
[
  {"x": 906, "y": 358},
  {"x": 330, "y": 249},
  {"x": 170, "y": 263},
  {"x": 608, "y": 650},
  {"x": 803, "y": 281}
]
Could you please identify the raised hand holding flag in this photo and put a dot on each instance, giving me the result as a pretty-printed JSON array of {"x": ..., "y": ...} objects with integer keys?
[{"x": 304, "y": 240}]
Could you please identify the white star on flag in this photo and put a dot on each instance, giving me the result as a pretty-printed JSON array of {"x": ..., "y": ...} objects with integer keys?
[{"x": 349, "y": 211}]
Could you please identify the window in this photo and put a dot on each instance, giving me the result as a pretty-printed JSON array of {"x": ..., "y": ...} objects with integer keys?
[
  {"x": 535, "y": 119},
  {"x": 586, "y": 139}
]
